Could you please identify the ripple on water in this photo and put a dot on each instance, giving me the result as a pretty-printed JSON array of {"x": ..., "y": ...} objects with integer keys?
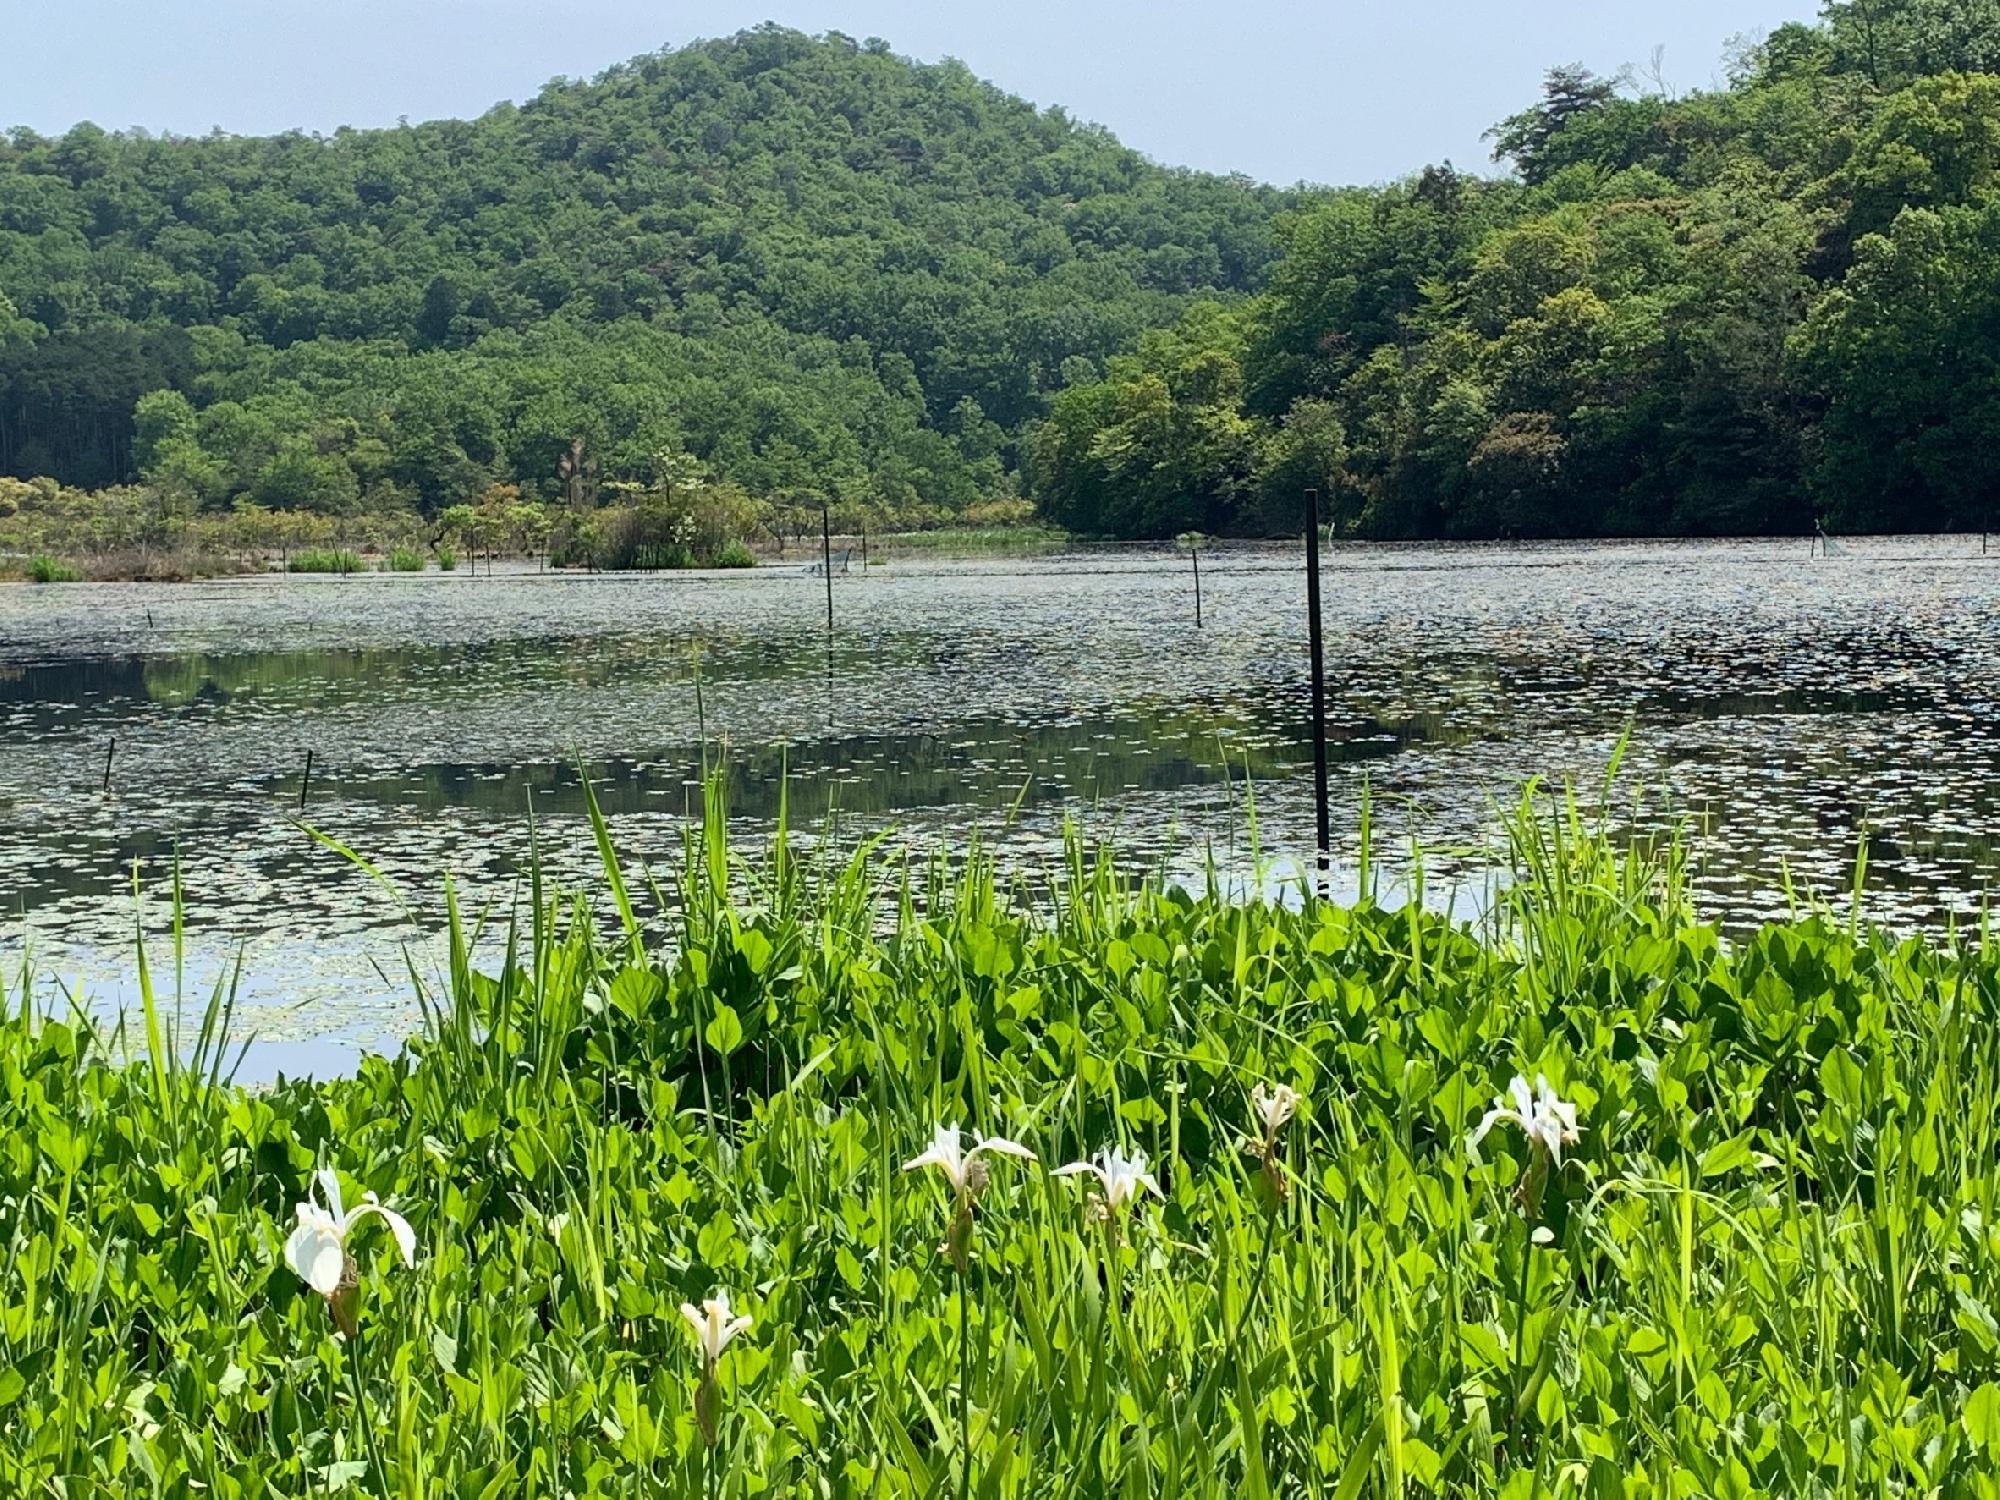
[{"x": 1797, "y": 712}]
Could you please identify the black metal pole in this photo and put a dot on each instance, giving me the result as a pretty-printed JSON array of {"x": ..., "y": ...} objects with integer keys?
[
  {"x": 864, "y": 548},
  {"x": 109, "y": 751},
  {"x": 1195, "y": 553},
  {"x": 826, "y": 562},
  {"x": 1325, "y": 826},
  {"x": 305, "y": 780}
]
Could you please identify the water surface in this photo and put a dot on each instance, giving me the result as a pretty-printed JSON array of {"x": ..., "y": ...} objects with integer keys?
[{"x": 1798, "y": 710}]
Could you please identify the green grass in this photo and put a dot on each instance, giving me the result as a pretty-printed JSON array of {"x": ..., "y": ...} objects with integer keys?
[
  {"x": 1771, "y": 1263},
  {"x": 447, "y": 559},
  {"x": 403, "y": 560},
  {"x": 324, "y": 560},
  {"x": 987, "y": 541},
  {"x": 45, "y": 569}
]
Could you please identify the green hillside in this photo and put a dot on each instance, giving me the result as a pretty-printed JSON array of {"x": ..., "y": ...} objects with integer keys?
[
  {"x": 1741, "y": 310},
  {"x": 777, "y": 270},
  {"x": 812, "y": 267}
]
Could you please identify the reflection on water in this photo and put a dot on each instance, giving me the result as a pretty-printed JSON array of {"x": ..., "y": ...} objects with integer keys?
[{"x": 1797, "y": 711}]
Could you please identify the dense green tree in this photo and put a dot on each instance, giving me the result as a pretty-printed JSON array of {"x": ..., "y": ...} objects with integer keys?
[
  {"x": 15, "y": 330},
  {"x": 1160, "y": 446},
  {"x": 1895, "y": 41},
  {"x": 809, "y": 264},
  {"x": 1534, "y": 140},
  {"x": 1354, "y": 274},
  {"x": 1732, "y": 311},
  {"x": 66, "y": 401},
  {"x": 300, "y": 477},
  {"x": 1906, "y": 352},
  {"x": 1934, "y": 143}
]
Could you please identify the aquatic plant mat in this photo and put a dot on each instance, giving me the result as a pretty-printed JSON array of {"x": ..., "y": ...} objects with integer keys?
[{"x": 1745, "y": 1245}]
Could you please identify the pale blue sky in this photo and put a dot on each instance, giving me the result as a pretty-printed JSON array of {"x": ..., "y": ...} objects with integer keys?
[{"x": 1337, "y": 91}]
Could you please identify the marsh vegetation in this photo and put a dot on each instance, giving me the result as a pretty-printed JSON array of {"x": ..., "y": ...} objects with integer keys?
[{"x": 1323, "y": 1236}]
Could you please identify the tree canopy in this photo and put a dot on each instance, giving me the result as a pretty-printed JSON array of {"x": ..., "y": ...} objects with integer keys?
[
  {"x": 1746, "y": 309},
  {"x": 819, "y": 268}
]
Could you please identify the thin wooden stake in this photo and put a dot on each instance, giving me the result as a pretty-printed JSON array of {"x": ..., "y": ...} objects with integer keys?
[
  {"x": 1195, "y": 554},
  {"x": 305, "y": 780},
  {"x": 1325, "y": 824},
  {"x": 109, "y": 751},
  {"x": 826, "y": 564}
]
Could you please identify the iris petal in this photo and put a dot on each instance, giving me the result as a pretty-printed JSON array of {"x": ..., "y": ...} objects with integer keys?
[{"x": 315, "y": 1253}]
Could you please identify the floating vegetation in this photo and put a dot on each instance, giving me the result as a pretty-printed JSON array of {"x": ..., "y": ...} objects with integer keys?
[{"x": 1733, "y": 1239}]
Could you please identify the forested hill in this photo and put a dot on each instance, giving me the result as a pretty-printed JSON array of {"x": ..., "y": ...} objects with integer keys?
[
  {"x": 1740, "y": 310},
  {"x": 807, "y": 264}
]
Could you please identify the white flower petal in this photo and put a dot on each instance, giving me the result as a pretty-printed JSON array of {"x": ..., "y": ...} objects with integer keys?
[
  {"x": 1003, "y": 1146},
  {"x": 713, "y": 1326},
  {"x": 1118, "y": 1175},
  {"x": 329, "y": 1186},
  {"x": 1524, "y": 1099},
  {"x": 1548, "y": 1121},
  {"x": 1274, "y": 1106},
  {"x": 406, "y": 1239},
  {"x": 1493, "y": 1117},
  {"x": 1125, "y": 1173},
  {"x": 315, "y": 1252},
  {"x": 944, "y": 1153}
]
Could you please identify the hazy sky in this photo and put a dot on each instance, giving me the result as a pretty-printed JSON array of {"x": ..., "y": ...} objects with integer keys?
[{"x": 1333, "y": 91}]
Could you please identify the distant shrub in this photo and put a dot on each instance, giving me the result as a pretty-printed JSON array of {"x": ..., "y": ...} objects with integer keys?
[
  {"x": 447, "y": 559},
  {"x": 735, "y": 555},
  {"x": 45, "y": 569},
  {"x": 403, "y": 560},
  {"x": 324, "y": 560}
]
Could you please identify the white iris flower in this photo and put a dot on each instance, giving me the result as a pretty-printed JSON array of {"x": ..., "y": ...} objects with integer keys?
[
  {"x": 1119, "y": 1177},
  {"x": 713, "y": 1326},
  {"x": 1548, "y": 1122},
  {"x": 963, "y": 1169},
  {"x": 317, "y": 1248}
]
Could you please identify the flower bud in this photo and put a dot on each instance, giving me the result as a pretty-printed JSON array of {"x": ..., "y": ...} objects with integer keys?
[
  {"x": 708, "y": 1406},
  {"x": 344, "y": 1302},
  {"x": 957, "y": 1246}
]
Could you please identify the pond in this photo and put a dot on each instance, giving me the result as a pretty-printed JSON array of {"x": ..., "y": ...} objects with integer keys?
[{"x": 1794, "y": 709}]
